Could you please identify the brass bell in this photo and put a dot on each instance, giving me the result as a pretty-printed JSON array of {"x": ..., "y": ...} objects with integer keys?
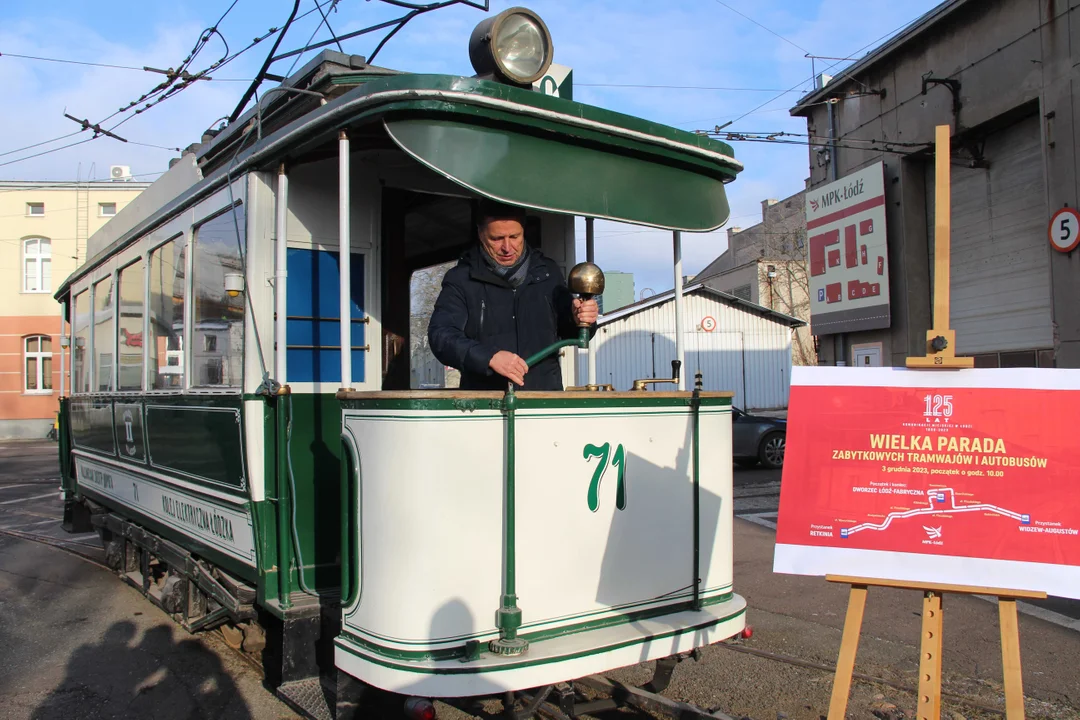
[{"x": 586, "y": 280}]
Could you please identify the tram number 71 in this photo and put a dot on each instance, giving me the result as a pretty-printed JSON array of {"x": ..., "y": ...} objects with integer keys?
[{"x": 618, "y": 460}]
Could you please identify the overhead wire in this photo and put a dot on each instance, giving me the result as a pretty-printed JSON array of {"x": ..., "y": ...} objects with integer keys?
[
  {"x": 772, "y": 32},
  {"x": 47, "y": 152},
  {"x": 165, "y": 87},
  {"x": 71, "y": 62},
  {"x": 802, "y": 82},
  {"x": 318, "y": 27},
  {"x": 679, "y": 87}
]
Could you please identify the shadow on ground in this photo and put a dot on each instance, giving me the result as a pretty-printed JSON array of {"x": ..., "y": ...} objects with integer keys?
[{"x": 123, "y": 676}]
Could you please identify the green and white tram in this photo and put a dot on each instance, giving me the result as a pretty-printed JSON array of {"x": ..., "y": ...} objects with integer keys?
[{"x": 244, "y": 471}]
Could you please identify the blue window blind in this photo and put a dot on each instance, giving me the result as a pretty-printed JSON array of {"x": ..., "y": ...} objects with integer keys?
[{"x": 311, "y": 307}]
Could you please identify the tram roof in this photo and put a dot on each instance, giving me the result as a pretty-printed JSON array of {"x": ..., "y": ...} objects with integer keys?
[{"x": 497, "y": 141}]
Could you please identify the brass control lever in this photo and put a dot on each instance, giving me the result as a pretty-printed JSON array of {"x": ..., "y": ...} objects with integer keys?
[{"x": 675, "y": 364}]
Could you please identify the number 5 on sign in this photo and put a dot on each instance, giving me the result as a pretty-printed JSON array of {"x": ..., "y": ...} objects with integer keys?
[{"x": 1064, "y": 230}]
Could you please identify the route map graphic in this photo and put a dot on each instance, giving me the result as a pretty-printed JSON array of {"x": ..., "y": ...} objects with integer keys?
[
  {"x": 925, "y": 481},
  {"x": 936, "y": 496}
]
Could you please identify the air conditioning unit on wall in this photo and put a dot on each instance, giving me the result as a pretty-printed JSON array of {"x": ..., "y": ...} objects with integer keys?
[{"x": 119, "y": 172}]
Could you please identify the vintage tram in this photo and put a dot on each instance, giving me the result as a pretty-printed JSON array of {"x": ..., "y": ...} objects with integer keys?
[{"x": 241, "y": 429}]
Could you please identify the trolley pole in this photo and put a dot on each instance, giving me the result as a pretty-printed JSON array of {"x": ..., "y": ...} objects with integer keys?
[
  {"x": 345, "y": 261},
  {"x": 590, "y": 253},
  {"x": 677, "y": 247}
]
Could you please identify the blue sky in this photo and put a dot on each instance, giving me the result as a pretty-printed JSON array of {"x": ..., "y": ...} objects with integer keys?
[{"x": 700, "y": 43}]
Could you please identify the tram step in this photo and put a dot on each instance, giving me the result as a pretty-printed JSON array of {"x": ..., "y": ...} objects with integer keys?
[{"x": 312, "y": 697}]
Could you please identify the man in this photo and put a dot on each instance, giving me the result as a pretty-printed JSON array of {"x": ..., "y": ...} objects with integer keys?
[{"x": 503, "y": 302}]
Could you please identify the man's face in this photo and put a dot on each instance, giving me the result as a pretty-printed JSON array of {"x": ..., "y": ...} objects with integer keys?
[{"x": 503, "y": 240}]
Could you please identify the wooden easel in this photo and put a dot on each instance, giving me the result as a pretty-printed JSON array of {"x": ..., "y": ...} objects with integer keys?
[
  {"x": 929, "y": 705},
  {"x": 940, "y": 354},
  {"x": 940, "y": 339}
]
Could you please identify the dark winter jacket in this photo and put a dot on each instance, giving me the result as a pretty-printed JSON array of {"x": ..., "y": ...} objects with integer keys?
[{"x": 478, "y": 313}]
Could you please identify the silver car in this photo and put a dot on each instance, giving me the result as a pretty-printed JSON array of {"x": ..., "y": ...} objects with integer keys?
[{"x": 755, "y": 439}]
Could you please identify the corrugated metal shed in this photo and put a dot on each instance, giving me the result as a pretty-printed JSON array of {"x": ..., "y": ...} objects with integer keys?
[{"x": 748, "y": 350}]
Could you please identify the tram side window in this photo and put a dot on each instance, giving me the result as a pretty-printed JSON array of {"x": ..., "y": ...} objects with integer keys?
[
  {"x": 104, "y": 313},
  {"x": 80, "y": 367},
  {"x": 217, "y": 352},
  {"x": 130, "y": 333},
  {"x": 166, "y": 308}
]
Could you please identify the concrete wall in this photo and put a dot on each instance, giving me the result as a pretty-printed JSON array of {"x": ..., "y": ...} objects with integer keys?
[{"x": 1012, "y": 58}]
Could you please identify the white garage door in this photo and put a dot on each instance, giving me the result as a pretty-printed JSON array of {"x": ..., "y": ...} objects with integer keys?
[{"x": 1000, "y": 298}]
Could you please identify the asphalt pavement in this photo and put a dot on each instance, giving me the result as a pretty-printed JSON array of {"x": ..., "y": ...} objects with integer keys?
[{"x": 78, "y": 643}]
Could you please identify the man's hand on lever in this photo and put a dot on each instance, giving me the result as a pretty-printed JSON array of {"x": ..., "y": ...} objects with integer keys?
[
  {"x": 585, "y": 311},
  {"x": 510, "y": 366}
]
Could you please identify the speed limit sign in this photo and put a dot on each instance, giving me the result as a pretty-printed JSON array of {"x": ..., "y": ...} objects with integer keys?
[
  {"x": 708, "y": 323},
  {"x": 1064, "y": 230}
]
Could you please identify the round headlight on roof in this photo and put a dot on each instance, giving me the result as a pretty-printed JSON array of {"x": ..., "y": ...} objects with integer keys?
[{"x": 514, "y": 45}]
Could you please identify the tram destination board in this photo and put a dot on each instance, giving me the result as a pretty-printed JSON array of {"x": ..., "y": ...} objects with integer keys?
[{"x": 907, "y": 475}]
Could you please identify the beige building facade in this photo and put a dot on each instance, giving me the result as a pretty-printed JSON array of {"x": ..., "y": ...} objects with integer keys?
[
  {"x": 44, "y": 227},
  {"x": 766, "y": 264}
]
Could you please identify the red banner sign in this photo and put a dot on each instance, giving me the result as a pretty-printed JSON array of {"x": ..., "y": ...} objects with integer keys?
[{"x": 969, "y": 477}]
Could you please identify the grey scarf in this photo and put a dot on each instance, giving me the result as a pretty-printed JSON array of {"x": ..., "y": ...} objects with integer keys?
[{"x": 514, "y": 274}]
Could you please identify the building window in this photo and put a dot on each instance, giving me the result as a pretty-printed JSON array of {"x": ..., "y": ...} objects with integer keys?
[
  {"x": 35, "y": 209},
  {"x": 37, "y": 265},
  {"x": 38, "y": 355},
  {"x": 106, "y": 209}
]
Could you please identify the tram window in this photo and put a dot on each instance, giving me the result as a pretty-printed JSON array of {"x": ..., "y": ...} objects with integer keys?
[
  {"x": 218, "y": 342},
  {"x": 426, "y": 371},
  {"x": 103, "y": 334},
  {"x": 166, "y": 308},
  {"x": 80, "y": 368},
  {"x": 130, "y": 332}
]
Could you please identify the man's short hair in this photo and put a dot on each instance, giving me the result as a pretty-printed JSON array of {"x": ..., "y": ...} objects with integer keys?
[{"x": 489, "y": 210}]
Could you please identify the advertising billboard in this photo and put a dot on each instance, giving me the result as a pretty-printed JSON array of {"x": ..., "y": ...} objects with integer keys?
[
  {"x": 966, "y": 477},
  {"x": 849, "y": 265}
]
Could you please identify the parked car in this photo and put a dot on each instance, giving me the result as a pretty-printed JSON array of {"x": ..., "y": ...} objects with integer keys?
[{"x": 755, "y": 438}]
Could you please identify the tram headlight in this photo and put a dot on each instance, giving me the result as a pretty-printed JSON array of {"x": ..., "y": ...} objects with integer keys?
[{"x": 514, "y": 45}]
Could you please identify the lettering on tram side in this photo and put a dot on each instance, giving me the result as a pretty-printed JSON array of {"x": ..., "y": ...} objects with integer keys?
[
  {"x": 96, "y": 477},
  {"x": 198, "y": 517},
  {"x": 618, "y": 461},
  {"x": 229, "y": 530}
]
